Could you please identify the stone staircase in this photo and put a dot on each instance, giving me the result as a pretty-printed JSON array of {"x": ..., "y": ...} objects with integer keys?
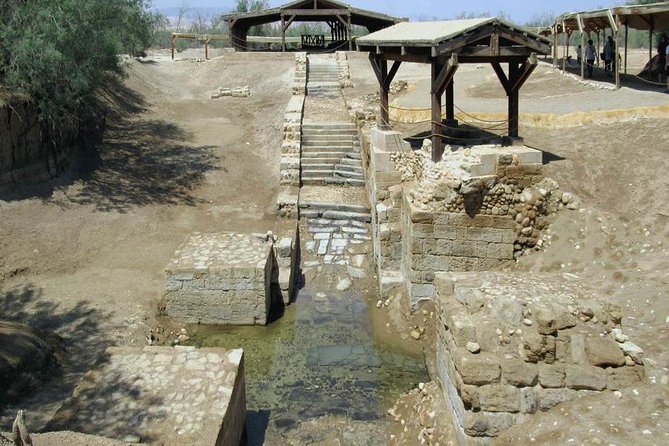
[
  {"x": 323, "y": 77},
  {"x": 331, "y": 154}
]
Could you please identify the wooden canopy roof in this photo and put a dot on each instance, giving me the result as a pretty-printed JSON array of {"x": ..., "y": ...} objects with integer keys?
[
  {"x": 445, "y": 45},
  {"x": 313, "y": 11},
  {"x": 473, "y": 40},
  {"x": 644, "y": 17}
]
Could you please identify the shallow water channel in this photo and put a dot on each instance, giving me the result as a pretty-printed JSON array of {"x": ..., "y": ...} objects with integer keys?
[{"x": 320, "y": 358}]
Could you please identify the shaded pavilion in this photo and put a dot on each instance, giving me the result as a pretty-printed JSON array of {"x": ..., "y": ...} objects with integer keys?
[
  {"x": 444, "y": 45},
  {"x": 649, "y": 17},
  {"x": 340, "y": 17}
]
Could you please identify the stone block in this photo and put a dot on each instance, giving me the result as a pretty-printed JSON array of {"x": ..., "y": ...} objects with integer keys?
[
  {"x": 444, "y": 232},
  {"x": 232, "y": 284},
  {"x": 549, "y": 398},
  {"x": 529, "y": 401},
  {"x": 585, "y": 377},
  {"x": 544, "y": 319},
  {"x": 499, "y": 398},
  {"x": 422, "y": 291},
  {"x": 603, "y": 352},
  {"x": 485, "y": 424},
  {"x": 480, "y": 369},
  {"x": 551, "y": 375},
  {"x": 622, "y": 377},
  {"x": 519, "y": 373},
  {"x": 577, "y": 346}
]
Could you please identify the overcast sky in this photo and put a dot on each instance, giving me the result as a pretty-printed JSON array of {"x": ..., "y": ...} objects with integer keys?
[{"x": 520, "y": 10}]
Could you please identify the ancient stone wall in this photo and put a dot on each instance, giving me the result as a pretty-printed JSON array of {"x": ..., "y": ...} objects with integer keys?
[
  {"x": 292, "y": 141},
  {"x": 25, "y": 157},
  {"x": 343, "y": 69},
  {"x": 509, "y": 346}
]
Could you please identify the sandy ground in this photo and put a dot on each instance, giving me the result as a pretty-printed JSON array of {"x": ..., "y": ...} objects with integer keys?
[{"x": 85, "y": 256}]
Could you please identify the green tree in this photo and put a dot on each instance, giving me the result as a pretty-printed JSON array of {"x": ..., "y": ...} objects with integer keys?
[{"x": 61, "y": 52}]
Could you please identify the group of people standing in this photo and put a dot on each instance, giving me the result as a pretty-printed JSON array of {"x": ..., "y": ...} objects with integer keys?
[
  {"x": 609, "y": 59},
  {"x": 591, "y": 56}
]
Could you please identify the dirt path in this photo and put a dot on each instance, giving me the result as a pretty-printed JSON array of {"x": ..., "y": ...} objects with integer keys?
[{"x": 85, "y": 256}]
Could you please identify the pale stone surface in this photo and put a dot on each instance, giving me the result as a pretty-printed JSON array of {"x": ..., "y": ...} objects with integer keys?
[
  {"x": 221, "y": 278},
  {"x": 567, "y": 350},
  {"x": 163, "y": 395}
]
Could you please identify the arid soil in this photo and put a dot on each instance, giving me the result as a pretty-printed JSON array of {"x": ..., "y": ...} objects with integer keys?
[{"x": 84, "y": 256}]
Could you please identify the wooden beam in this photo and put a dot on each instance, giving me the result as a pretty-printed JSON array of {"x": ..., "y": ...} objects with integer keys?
[
  {"x": 391, "y": 74},
  {"x": 288, "y": 22},
  {"x": 380, "y": 68},
  {"x": 580, "y": 28},
  {"x": 513, "y": 96},
  {"x": 501, "y": 75},
  {"x": 523, "y": 73},
  {"x": 173, "y": 44},
  {"x": 445, "y": 76},
  {"x": 316, "y": 12},
  {"x": 437, "y": 70},
  {"x": 283, "y": 34},
  {"x": 504, "y": 51}
]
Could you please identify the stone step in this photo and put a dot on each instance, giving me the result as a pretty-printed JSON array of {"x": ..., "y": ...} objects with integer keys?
[
  {"x": 325, "y": 155},
  {"x": 348, "y": 167},
  {"x": 336, "y": 211},
  {"x": 337, "y": 140},
  {"x": 340, "y": 207},
  {"x": 319, "y": 166},
  {"x": 348, "y": 174},
  {"x": 315, "y": 133},
  {"x": 350, "y": 162},
  {"x": 354, "y": 155},
  {"x": 317, "y": 173},
  {"x": 322, "y": 161},
  {"x": 323, "y": 128},
  {"x": 326, "y": 149},
  {"x": 325, "y": 181}
]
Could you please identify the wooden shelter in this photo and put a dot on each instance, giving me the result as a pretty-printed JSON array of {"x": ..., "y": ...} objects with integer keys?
[
  {"x": 447, "y": 44},
  {"x": 340, "y": 17},
  {"x": 649, "y": 17}
]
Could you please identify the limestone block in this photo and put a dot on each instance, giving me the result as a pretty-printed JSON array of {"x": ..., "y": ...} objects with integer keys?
[
  {"x": 519, "y": 373},
  {"x": 549, "y": 398},
  {"x": 477, "y": 369},
  {"x": 422, "y": 291},
  {"x": 499, "y": 398},
  {"x": 486, "y": 424},
  {"x": 461, "y": 328},
  {"x": 551, "y": 375},
  {"x": 544, "y": 319},
  {"x": 387, "y": 141},
  {"x": 623, "y": 377},
  {"x": 508, "y": 311},
  {"x": 529, "y": 400},
  {"x": 585, "y": 377},
  {"x": 603, "y": 352},
  {"x": 577, "y": 346},
  {"x": 441, "y": 231}
]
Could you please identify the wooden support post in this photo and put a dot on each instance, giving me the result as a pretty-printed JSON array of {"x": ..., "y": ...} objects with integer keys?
[
  {"x": 283, "y": 33},
  {"x": 385, "y": 77},
  {"x": 450, "y": 101},
  {"x": 582, "y": 31},
  {"x": 513, "y": 96},
  {"x": 650, "y": 38},
  {"x": 616, "y": 62},
  {"x": 436, "y": 128},
  {"x": 350, "y": 37},
  {"x": 555, "y": 46},
  {"x": 627, "y": 35},
  {"x": 174, "y": 44},
  {"x": 206, "y": 49}
]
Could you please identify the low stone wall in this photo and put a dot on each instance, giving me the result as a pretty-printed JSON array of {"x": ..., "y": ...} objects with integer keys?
[
  {"x": 292, "y": 141},
  {"x": 161, "y": 395},
  {"x": 222, "y": 279},
  {"x": 343, "y": 69},
  {"x": 285, "y": 252},
  {"x": 25, "y": 156},
  {"x": 508, "y": 346}
]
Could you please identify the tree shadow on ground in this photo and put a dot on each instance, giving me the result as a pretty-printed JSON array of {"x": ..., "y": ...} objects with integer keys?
[
  {"x": 126, "y": 159},
  {"x": 111, "y": 404},
  {"x": 84, "y": 341}
]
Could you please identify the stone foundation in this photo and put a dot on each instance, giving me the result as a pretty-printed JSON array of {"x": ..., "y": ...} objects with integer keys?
[
  {"x": 510, "y": 346},
  {"x": 222, "y": 279},
  {"x": 161, "y": 395}
]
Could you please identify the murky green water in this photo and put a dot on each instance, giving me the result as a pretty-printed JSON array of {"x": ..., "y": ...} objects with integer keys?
[{"x": 320, "y": 358}]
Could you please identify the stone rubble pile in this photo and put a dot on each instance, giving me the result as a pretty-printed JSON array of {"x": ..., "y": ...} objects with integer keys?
[
  {"x": 466, "y": 181},
  {"x": 236, "y": 92},
  {"x": 509, "y": 346}
]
